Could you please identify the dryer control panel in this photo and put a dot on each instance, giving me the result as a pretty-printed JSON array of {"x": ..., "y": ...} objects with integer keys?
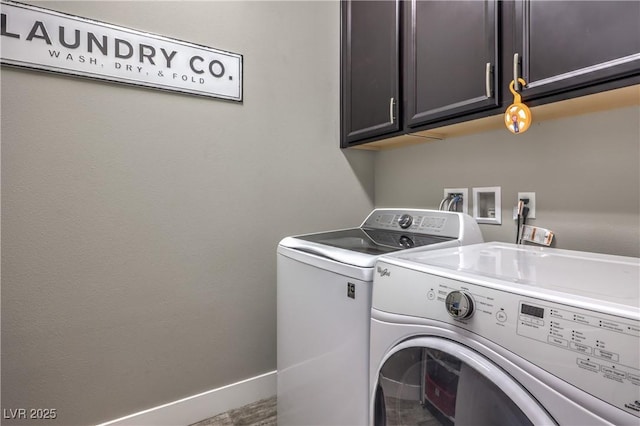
[{"x": 594, "y": 351}]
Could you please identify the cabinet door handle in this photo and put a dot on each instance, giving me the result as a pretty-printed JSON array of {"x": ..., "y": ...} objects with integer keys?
[
  {"x": 391, "y": 117},
  {"x": 487, "y": 81},
  {"x": 516, "y": 84}
]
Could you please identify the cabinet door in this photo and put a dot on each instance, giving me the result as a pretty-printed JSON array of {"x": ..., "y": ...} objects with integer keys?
[
  {"x": 451, "y": 53},
  {"x": 370, "y": 69},
  {"x": 567, "y": 45}
]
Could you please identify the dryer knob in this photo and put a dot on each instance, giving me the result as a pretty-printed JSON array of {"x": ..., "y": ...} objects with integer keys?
[{"x": 459, "y": 304}]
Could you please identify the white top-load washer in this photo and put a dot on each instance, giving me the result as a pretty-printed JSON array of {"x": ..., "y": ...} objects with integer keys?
[
  {"x": 324, "y": 305},
  {"x": 498, "y": 333}
]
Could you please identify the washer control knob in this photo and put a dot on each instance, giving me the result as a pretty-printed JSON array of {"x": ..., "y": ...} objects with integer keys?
[
  {"x": 406, "y": 242},
  {"x": 459, "y": 304},
  {"x": 405, "y": 221}
]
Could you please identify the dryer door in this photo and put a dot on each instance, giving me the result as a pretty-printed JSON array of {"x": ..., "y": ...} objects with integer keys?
[{"x": 434, "y": 381}]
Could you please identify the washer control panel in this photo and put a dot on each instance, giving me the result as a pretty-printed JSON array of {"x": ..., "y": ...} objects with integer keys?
[
  {"x": 432, "y": 222},
  {"x": 594, "y": 351}
]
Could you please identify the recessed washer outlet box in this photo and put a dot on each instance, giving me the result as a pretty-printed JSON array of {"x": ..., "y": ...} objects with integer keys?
[
  {"x": 487, "y": 205},
  {"x": 460, "y": 207}
]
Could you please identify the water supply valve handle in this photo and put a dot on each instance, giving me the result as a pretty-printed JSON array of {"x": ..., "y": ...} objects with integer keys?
[{"x": 517, "y": 117}]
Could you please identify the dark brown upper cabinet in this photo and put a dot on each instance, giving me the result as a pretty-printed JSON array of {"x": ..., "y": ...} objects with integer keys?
[
  {"x": 451, "y": 57},
  {"x": 562, "y": 46},
  {"x": 414, "y": 65},
  {"x": 370, "y": 67}
]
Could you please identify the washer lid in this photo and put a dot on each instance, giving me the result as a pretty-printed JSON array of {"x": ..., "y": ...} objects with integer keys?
[
  {"x": 590, "y": 275},
  {"x": 359, "y": 246}
]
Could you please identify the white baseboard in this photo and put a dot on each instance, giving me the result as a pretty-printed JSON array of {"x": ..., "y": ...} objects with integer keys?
[{"x": 203, "y": 405}]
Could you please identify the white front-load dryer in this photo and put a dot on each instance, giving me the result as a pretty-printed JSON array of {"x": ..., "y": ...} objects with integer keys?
[{"x": 503, "y": 334}]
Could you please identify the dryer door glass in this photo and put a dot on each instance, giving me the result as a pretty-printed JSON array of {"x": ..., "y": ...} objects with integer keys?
[{"x": 438, "y": 382}]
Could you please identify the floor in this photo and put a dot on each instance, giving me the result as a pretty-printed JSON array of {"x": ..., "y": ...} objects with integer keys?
[
  {"x": 260, "y": 413},
  {"x": 263, "y": 413}
]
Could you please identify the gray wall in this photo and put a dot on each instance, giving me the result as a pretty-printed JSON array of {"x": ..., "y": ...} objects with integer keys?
[
  {"x": 584, "y": 170},
  {"x": 140, "y": 227}
]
